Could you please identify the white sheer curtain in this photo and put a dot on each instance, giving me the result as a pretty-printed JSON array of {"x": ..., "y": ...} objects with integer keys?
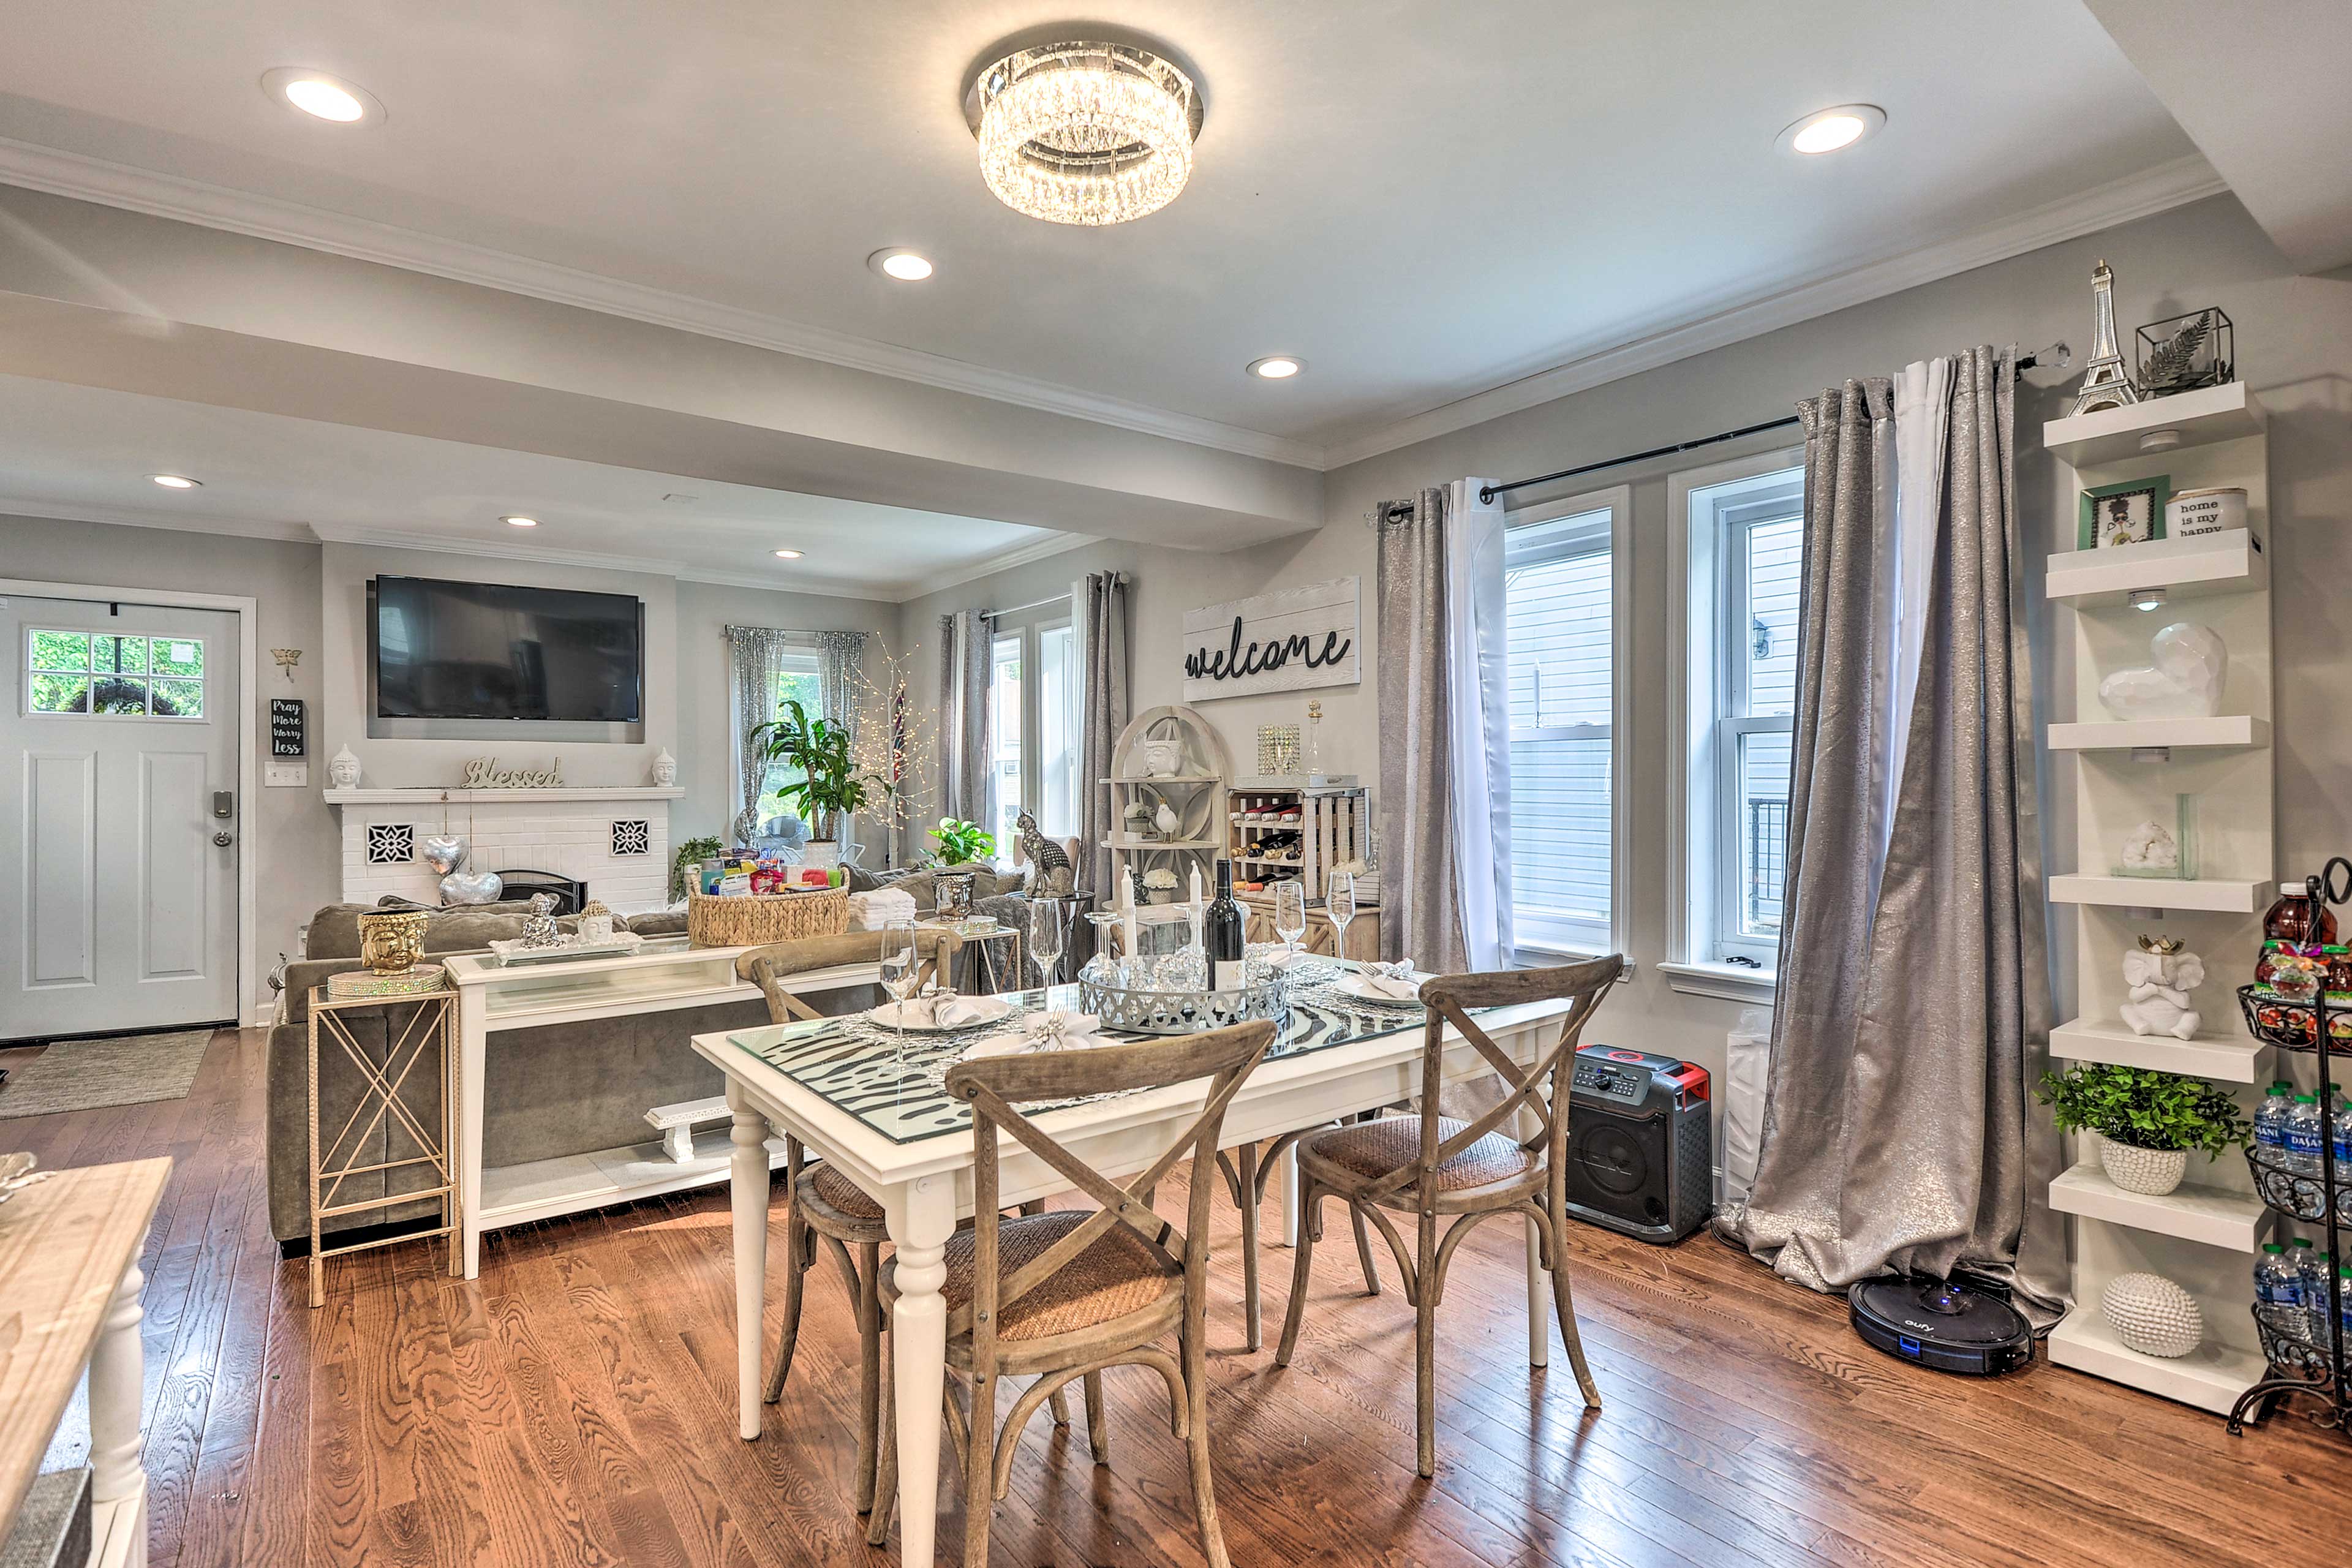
[
  {"x": 1477, "y": 668},
  {"x": 755, "y": 659}
]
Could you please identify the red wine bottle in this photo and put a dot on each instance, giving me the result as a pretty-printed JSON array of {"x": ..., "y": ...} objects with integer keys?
[{"x": 1221, "y": 936}]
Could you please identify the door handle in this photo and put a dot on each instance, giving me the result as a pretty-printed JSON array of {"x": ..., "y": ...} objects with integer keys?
[{"x": 221, "y": 839}]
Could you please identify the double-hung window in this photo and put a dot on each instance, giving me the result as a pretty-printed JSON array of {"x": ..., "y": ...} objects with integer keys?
[
  {"x": 1562, "y": 565},
  {"x": 796, "y": 681},
  {"x": 1034, "y": 696},
  {"x": 1742, "y": 572}
]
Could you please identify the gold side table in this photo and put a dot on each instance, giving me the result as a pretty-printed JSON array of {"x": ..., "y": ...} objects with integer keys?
[{"x": 432, "y": 1017}]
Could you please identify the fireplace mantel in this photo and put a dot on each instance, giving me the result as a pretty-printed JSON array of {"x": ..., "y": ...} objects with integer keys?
[{"x": 431, "y": 795}]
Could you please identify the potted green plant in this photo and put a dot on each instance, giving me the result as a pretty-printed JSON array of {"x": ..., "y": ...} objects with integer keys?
[
  {"x": 2148, "y": 1122},
  {"x": 831, "y": 785},
  {"x": 962, "y": 843},
  {"x": 690, "y": 853}
]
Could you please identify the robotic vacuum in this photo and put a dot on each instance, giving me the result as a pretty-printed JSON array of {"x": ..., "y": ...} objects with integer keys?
[{"x": 1946, "y": 1325}]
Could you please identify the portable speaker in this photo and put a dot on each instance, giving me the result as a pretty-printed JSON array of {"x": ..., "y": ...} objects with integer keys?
[{"x": 1641, "y": 1144}]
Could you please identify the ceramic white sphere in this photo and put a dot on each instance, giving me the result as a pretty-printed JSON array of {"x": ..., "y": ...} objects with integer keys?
[
  {"x": 2152, "y": 1315},
  {"x": 2183, "y": 680}
]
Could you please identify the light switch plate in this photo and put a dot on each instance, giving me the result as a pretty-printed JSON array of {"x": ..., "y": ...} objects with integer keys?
[{"x": 282, "y": 774}]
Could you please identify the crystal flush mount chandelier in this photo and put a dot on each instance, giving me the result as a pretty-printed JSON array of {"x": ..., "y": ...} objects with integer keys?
[{"x": 1087, "y": 133}]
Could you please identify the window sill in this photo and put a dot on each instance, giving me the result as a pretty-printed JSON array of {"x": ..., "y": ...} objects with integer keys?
[
  {"x": 1727, "y": 981},
  {"x": 1533, "y": 954}
]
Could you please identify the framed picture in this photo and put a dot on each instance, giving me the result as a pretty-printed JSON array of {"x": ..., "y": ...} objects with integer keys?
[{"x": 2131, "y": 513}]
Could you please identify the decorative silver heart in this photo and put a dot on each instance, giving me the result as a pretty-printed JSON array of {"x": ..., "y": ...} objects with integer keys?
[
  {"x": 472, "y": 888},
  {"x": 444, "y": 852}
]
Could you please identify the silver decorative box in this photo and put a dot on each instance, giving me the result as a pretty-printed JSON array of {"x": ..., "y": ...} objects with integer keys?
[{"x": 1144, "y": 1011}]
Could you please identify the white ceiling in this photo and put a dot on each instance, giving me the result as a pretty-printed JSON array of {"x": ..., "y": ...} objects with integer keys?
[
  {"x": 87, "y": 452},
  {"x": 1426, "y": 200}
]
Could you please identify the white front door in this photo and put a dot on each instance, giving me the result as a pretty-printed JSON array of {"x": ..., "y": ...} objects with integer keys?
[{"x": 119, "y": 818}]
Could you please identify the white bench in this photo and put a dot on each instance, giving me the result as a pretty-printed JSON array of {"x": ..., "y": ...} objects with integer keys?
[{"x": 678, "y": 1122}]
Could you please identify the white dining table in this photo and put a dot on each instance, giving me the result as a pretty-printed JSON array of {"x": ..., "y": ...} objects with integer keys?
[{"x": 866, "y": 1106}]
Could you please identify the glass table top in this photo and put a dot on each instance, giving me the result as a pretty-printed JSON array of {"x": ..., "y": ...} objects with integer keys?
[{"x": 896, "y": 1087}]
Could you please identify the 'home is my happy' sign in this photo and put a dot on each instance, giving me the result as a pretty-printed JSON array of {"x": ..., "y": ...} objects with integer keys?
[{"x": 1292, "y": 640}]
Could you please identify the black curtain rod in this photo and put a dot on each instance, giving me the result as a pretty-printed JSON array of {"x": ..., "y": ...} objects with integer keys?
[{"x": 2056, "y": 354}]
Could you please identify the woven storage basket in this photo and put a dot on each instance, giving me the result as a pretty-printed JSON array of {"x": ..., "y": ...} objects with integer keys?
[{"x": 763, "y": 918}]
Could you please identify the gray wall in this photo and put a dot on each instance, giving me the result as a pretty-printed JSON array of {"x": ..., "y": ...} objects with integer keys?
[
  {"x": 292, "y": 830},
  {"x": 2295, "y": 347}
]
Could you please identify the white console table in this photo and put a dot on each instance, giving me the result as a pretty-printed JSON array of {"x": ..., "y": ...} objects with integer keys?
[
  {"x": 69, "y": 1284},
  {"x": 665, "y": 976}
]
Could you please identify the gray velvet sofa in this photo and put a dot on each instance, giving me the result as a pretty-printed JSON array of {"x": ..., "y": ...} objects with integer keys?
[{"x": 562, "y": 1089}]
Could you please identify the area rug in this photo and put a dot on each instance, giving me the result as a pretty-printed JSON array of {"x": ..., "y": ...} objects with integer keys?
[{"x": 88, "y": 1075}]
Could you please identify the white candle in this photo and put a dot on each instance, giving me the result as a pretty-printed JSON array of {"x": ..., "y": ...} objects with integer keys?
[{"x": 1127, "y": 911}]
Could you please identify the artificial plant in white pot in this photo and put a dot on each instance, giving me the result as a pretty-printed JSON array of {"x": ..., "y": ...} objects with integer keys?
[{"x": 2148, "y": 1122}]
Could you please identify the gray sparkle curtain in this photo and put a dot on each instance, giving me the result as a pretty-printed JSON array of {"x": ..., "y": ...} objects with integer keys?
[
  {"x": 1913, "y": 1006},
  {"x": 755, "y": 660},
  {"x": 1420, "y": 908},
  {"x": 965, "y": 639},
  {"x": 1102, "y": 612},
  {"x": 839, "y": 657}
]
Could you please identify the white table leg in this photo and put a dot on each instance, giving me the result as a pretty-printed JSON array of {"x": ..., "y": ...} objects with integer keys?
[
  {"x": 473, "y": 1044},
  {"x": 921, "y": 1224},
  {"x": 1287, "y": 1179},
  {"x": 1538, "y": 1286},
  {"x": 117, "y": 1378},
  {"x": 746, "y": 1175}
]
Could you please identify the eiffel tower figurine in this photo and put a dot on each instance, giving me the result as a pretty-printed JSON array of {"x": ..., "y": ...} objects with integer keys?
[{"x": 2105, "y": 383}]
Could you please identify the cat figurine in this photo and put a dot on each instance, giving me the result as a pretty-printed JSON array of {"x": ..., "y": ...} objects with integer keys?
[{"x": 1055, "y": 877}]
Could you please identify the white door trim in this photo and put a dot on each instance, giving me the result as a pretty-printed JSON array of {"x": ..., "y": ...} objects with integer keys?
[{"x": 252, "y": 1006}]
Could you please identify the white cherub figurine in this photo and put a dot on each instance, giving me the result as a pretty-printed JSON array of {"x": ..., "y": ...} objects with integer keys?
[{"x": 2157, "y": 979}]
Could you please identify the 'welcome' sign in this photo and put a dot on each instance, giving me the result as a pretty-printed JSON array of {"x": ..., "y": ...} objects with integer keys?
[{"x": 1294, "y": 640}]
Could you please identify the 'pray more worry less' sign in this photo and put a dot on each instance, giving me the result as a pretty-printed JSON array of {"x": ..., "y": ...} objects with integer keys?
[{"x": 1294, "y": 640}]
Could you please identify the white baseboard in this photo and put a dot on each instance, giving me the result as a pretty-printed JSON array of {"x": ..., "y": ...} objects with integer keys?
[{"x": 265, "y": 1014}]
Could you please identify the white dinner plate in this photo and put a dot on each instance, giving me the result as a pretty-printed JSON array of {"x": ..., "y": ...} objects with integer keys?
[
  {"x": 1354, "y": 986},
  {"x": 987, "y": 1010}
]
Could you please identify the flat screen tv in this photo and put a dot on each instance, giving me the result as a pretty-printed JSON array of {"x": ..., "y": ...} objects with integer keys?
[{"x": 441, "y": 649}]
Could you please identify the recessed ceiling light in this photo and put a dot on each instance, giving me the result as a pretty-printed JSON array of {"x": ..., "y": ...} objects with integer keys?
[
  {"x": 1276, "y": 367},
  {"x": 519, "y": 522},
  {"x": 1828, "y": 129},
  {"x": 788, "y": 555},
  {"x": 900, "y": 265},
  {"x": 324, "y": 97},
  {"x": 177, "y": 481}
]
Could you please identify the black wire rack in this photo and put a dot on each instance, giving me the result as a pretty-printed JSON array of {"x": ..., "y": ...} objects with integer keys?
[{"x": 2302, "y": 1364}]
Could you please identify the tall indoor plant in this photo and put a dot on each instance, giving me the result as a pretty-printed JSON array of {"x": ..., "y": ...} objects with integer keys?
[
  {"x": 831, "y": 785},
  {"x": 2148, "y": 1122}
]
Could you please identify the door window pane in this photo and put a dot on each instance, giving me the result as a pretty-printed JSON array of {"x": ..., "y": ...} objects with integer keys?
[
  {"x": 107, "y": 674},
  {"x": 179, "y": 699},
  {"x": 173, "y": 656},
  {"x": 61, "y": 693},
  {"x": 60, "y": 650}
]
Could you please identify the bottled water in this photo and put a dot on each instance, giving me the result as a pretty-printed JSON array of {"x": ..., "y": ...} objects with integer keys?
[
  {"x": 2270, "y": 1122},
  {"x": 2315, "y": 1304},
  {"x": 2303, "y": 1136},
  {"x": 2343, "y": 1133},
  {"x": 2278, "y": 1285}
]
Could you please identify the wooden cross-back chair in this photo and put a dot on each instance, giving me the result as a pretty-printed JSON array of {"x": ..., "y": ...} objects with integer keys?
[
  {"x": 1069, "y": 1293},
  {"x": 1431, "y": 1165},
  {"x": 823, "y": 1205}
]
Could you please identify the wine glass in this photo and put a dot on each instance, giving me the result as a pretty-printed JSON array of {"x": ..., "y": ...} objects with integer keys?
[
  {"x": 1289, "y": 915},
  {"x": 1340, "y": 903},
  {"x": 900, "y": 969},
  {"x": 1103, "y": 968},
  {"x": 1046, "y": 938}
]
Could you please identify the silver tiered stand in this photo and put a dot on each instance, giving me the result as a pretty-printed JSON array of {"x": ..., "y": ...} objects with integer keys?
[{"x": 2302, "y": 1366}]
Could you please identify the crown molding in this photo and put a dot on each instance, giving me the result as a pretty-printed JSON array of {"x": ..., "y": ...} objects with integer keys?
[
  {"x": 1681, "y": 335},
  {"x": 142, "y": 517},
  {"x": 196, "y": 202},
  {"x": 1036, "y": 550}
]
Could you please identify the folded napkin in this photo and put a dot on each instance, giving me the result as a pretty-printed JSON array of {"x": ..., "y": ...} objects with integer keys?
[
  {"x": 1393, "y": 981},
  {"x": 873, "y": 911},
  {"x": 1277, "y": 958},
  {"x": 1044, "y": 1032},
  {"x": 944, "y": 1010}
]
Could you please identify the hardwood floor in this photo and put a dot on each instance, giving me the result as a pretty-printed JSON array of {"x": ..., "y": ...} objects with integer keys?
[{"x": 574, "y": 1408}]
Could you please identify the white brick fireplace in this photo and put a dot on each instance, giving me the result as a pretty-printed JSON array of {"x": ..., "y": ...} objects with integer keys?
[{"x": 615, "y": 840}]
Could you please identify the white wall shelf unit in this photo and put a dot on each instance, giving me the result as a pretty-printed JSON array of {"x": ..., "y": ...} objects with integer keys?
[
  {"x": 2192, "y": 1211},
  {"x": 2231, "y": 562},
  {"x": 2223, "y": 731},
  {"x": 2222, "y": 895},
  {"x": 2225, "y": 1059},
  {"x": 1191, "y": 786},
  {"x": 2123, "y": 774},
  {"x": 2227, "y": 413},
  {"x": 2209, "y": 1377}
]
